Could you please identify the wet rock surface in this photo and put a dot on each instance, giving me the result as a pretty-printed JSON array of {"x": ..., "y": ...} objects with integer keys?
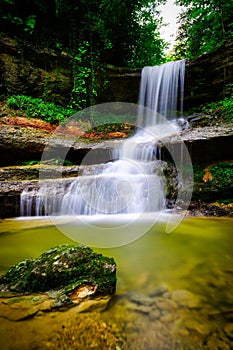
[
  {"x": 15, "y": 179},
  {"x": 65, "y": 275},
  {"x": 174, "y": 320},
  {"x": 206, "y": 198},
  {"x": 21, "y": 308},
  {"x": 204, "y": 144},
  {"x": 215, "y": 209},
  {"x": 20, "y": 143},
  {"x": 167, "y": 320},
  {"x": 203, "y": 133}
]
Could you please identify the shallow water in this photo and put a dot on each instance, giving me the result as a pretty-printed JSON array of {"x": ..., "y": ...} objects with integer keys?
[{"x": 149, "y": 310}]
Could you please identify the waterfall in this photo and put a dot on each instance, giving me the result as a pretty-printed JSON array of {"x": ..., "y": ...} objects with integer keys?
[
  {"x": 161, "y": 90},
  {"x": 130, "y": 183}
]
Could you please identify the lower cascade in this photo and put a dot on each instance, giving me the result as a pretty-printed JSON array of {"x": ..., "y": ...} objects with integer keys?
[{"x": 130, "y": 182}]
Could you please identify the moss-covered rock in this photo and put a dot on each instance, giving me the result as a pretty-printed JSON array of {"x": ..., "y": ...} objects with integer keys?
[
  {"x": 72, "y": 271},
  {"x": 213, "y": 181}
]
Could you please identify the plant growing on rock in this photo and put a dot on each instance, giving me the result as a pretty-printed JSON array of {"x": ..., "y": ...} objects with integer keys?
[
  {"x": 65, "y": 269},
  {"x": 213, "y": 181},
  {"x": 37, "y": 108}
]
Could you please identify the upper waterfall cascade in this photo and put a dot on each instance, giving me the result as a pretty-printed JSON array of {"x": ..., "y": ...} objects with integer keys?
[
  {"x": 129, "y": 183},
  {"x": 162, "y": 91}
]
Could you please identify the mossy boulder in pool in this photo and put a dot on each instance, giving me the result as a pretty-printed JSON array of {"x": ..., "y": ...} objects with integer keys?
[{"x": 70, "y": 270}]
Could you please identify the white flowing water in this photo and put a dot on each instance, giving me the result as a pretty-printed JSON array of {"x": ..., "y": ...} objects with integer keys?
[
  {"x": 161, "y": 90},
  {"x": 129, "y": 184}
]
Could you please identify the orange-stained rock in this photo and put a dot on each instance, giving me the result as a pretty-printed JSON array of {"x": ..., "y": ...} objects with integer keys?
[
  {"x": 116, "y": 134},
  {"x": 31, "y": 123}
]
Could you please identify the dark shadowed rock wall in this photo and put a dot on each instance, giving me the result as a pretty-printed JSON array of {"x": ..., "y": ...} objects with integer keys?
[
  {"x": 24, "y": 71},
  {"x": 209, "y": 76},
  {"x": 123, "y": 85},
  {"x": 48, "y": 75}
]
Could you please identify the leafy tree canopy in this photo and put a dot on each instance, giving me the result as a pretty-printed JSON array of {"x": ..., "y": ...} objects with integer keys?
[
  {"x": 205, "y": 25},
  {"x": 123, "y": 33}
]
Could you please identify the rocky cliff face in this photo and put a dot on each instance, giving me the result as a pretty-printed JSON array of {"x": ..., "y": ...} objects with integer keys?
[
  {"x": 46, "y": 74},
  {"x": 209, "y": 76},
  {"x": 25, "y": 71}
]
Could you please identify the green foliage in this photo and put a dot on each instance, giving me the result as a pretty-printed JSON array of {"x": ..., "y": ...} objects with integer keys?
[
  {"x": 57, "y": 161},
  {"x": 101, "y": 120},
  {"x": 221, "y": 110},
  {"x": 30, "y": 24},
  {"x": 86, "y": 84},
  {"x": 138, "y": 41},
  {"x": 225, "y": 201},
  {"x": 218, "y": 111},
  {"x": 19, "y": 18},
  {"x": 37, "y": 108},
  {"x": 204, "y": 27},
  {"x": 150, "y": 47},
  {"x": 92, "y": 33},
  {"x": 217, "y": 185},
  {"x": 121, "y": 33},
  {"x": 111, "y": 127},
  {"x": 222, "y": 172},
  {"x": 31, "y": 162}
]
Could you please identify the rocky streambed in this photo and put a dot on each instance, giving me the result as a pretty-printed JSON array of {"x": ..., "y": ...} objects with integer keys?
[
  {"x": 161, "y": 320},
  {"x": 162, "y": 299}
]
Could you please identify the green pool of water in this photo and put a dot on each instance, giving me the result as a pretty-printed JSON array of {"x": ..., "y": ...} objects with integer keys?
[{"x": 196, "y": 257}]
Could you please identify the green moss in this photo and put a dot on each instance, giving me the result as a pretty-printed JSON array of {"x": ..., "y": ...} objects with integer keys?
[
  {"x": 15, "y": 300},
  {"x": 37, "y": 108},
  {"x": 226, "y": 201},
  {"x": 60, "y": 267},
  {"x": 213, "y": 181},
  {"x": 215, "y": 112},
  {"x": 34, "y": 299}
]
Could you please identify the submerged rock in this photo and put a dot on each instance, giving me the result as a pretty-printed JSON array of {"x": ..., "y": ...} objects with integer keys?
[
  {"x": 70, "y": 273},
  {"x": 185, "y": 298}
]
